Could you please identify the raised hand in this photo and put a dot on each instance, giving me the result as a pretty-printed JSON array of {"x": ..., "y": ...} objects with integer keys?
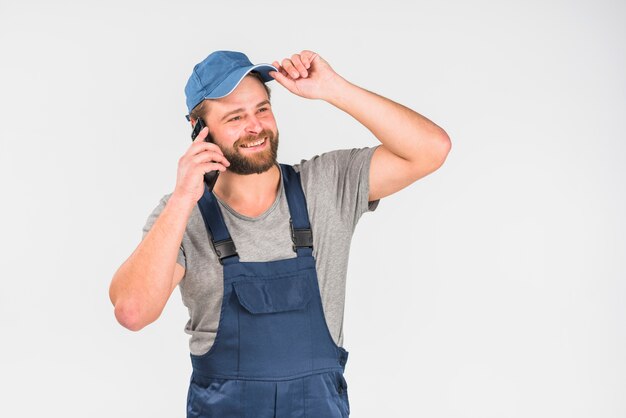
[
  {"x": 306, "y": 74},
  {"x": 200, "y": 158}
]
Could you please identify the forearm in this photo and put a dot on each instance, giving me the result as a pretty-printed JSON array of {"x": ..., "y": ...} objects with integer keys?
[
  {"x": 412, "y": 146},
  {"x": 142, "y": 285},
  {"x": 401, "y": 130}
]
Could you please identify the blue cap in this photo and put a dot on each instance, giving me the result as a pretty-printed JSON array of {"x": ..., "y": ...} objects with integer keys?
[{"x": 219, "y": 74}]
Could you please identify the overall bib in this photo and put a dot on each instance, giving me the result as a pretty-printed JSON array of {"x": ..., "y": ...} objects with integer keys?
[{"x": 273, "y": 356}]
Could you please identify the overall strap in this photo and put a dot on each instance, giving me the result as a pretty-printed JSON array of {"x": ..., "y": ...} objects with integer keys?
[
  {"x": 301, "y": 233},
  {"x": 218, "y": 233}
]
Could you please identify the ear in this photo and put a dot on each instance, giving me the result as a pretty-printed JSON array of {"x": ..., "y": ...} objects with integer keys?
[{"x": 192, "y": 121}]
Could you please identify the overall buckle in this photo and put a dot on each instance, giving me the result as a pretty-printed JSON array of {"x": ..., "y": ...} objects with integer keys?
[
  {"x": 225, "y": 248},
  {"x": 301, "y": 237}
]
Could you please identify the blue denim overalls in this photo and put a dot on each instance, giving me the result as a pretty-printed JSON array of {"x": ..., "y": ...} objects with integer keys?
[{"x": 273, "y": 356}]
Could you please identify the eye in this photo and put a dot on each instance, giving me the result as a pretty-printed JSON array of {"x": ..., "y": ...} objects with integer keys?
[
  {"x": 263, "y": 109},
  {"x": 235, "y": 118}
]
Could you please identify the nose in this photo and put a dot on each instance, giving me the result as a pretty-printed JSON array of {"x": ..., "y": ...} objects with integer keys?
[{"x": 254, "y": 125}]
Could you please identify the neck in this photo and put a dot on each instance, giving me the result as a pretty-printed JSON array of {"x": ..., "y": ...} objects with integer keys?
[{"x": 250, "y": 194}]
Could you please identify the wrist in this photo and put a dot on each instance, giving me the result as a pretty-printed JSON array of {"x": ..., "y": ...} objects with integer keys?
[
  {"x": 180, "y": 202},
  {"x": 335, "y": 90}
]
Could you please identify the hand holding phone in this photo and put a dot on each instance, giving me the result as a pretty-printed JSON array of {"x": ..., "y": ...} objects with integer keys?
[{"x": 211, "y": 177}]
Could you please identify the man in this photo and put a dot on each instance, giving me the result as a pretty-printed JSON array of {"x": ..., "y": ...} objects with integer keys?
[{"x": 261, "y": 260}]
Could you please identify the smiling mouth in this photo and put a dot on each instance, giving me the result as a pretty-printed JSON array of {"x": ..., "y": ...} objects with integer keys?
[{"x": 254, "y": 144}]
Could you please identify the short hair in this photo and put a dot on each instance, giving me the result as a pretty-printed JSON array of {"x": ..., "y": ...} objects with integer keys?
[{"x": 197, "y": 112}]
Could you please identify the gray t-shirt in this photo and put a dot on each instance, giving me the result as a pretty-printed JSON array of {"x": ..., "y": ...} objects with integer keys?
[{"x": 336, "y": 187}]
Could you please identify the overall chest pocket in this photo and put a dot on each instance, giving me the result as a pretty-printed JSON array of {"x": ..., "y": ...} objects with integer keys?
[
  {"x": 274, "y": 326},
  {"x": 274, "y": 295}
]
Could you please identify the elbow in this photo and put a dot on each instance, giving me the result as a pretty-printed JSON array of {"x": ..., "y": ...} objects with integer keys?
[
  {"x": 438, "y": 151},
  {"x": 444, "y": 145},
  {"x": 128, "y": 314},
  {"x": 128, "y": 309}
]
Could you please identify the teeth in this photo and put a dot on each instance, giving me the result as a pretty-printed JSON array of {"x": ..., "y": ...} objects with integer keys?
[{"x": 254, "y": 144}]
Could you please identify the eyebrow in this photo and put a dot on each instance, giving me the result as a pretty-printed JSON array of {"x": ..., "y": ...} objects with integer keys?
[{"x": 241, "y": 109}]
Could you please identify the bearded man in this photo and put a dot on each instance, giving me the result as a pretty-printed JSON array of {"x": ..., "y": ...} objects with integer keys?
[{"x": 261, "y": 259}]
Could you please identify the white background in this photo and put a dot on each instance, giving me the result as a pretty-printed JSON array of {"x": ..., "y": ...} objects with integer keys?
[{"x": 493, "y": 288}]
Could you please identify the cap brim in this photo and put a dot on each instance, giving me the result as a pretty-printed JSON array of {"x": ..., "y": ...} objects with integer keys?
[{"x": 231, "y": 82}]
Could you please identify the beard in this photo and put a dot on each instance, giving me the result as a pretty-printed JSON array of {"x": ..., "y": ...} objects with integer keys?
[{"x": 256, "y": 163}]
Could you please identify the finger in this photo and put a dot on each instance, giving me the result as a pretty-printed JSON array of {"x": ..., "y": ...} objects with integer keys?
[
  {"x": 204, "y": 146},
  {"x": 282, "y": 79},
  {"x": 206, "y": 167},
  {"x": 297, "y": 63},
  {"x": 199, "y": 147},
  {"x": 281, "y": 69},
  {"x": 307, "y": 58},
  {"x": 208, "y": 156},
  {"x": 291, "y": 70}
]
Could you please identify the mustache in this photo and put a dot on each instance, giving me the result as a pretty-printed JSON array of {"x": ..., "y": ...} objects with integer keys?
[{"x": 252, "y": 138}]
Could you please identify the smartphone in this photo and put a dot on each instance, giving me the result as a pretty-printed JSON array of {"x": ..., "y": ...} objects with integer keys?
[{"x": 211, "y": 177}]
